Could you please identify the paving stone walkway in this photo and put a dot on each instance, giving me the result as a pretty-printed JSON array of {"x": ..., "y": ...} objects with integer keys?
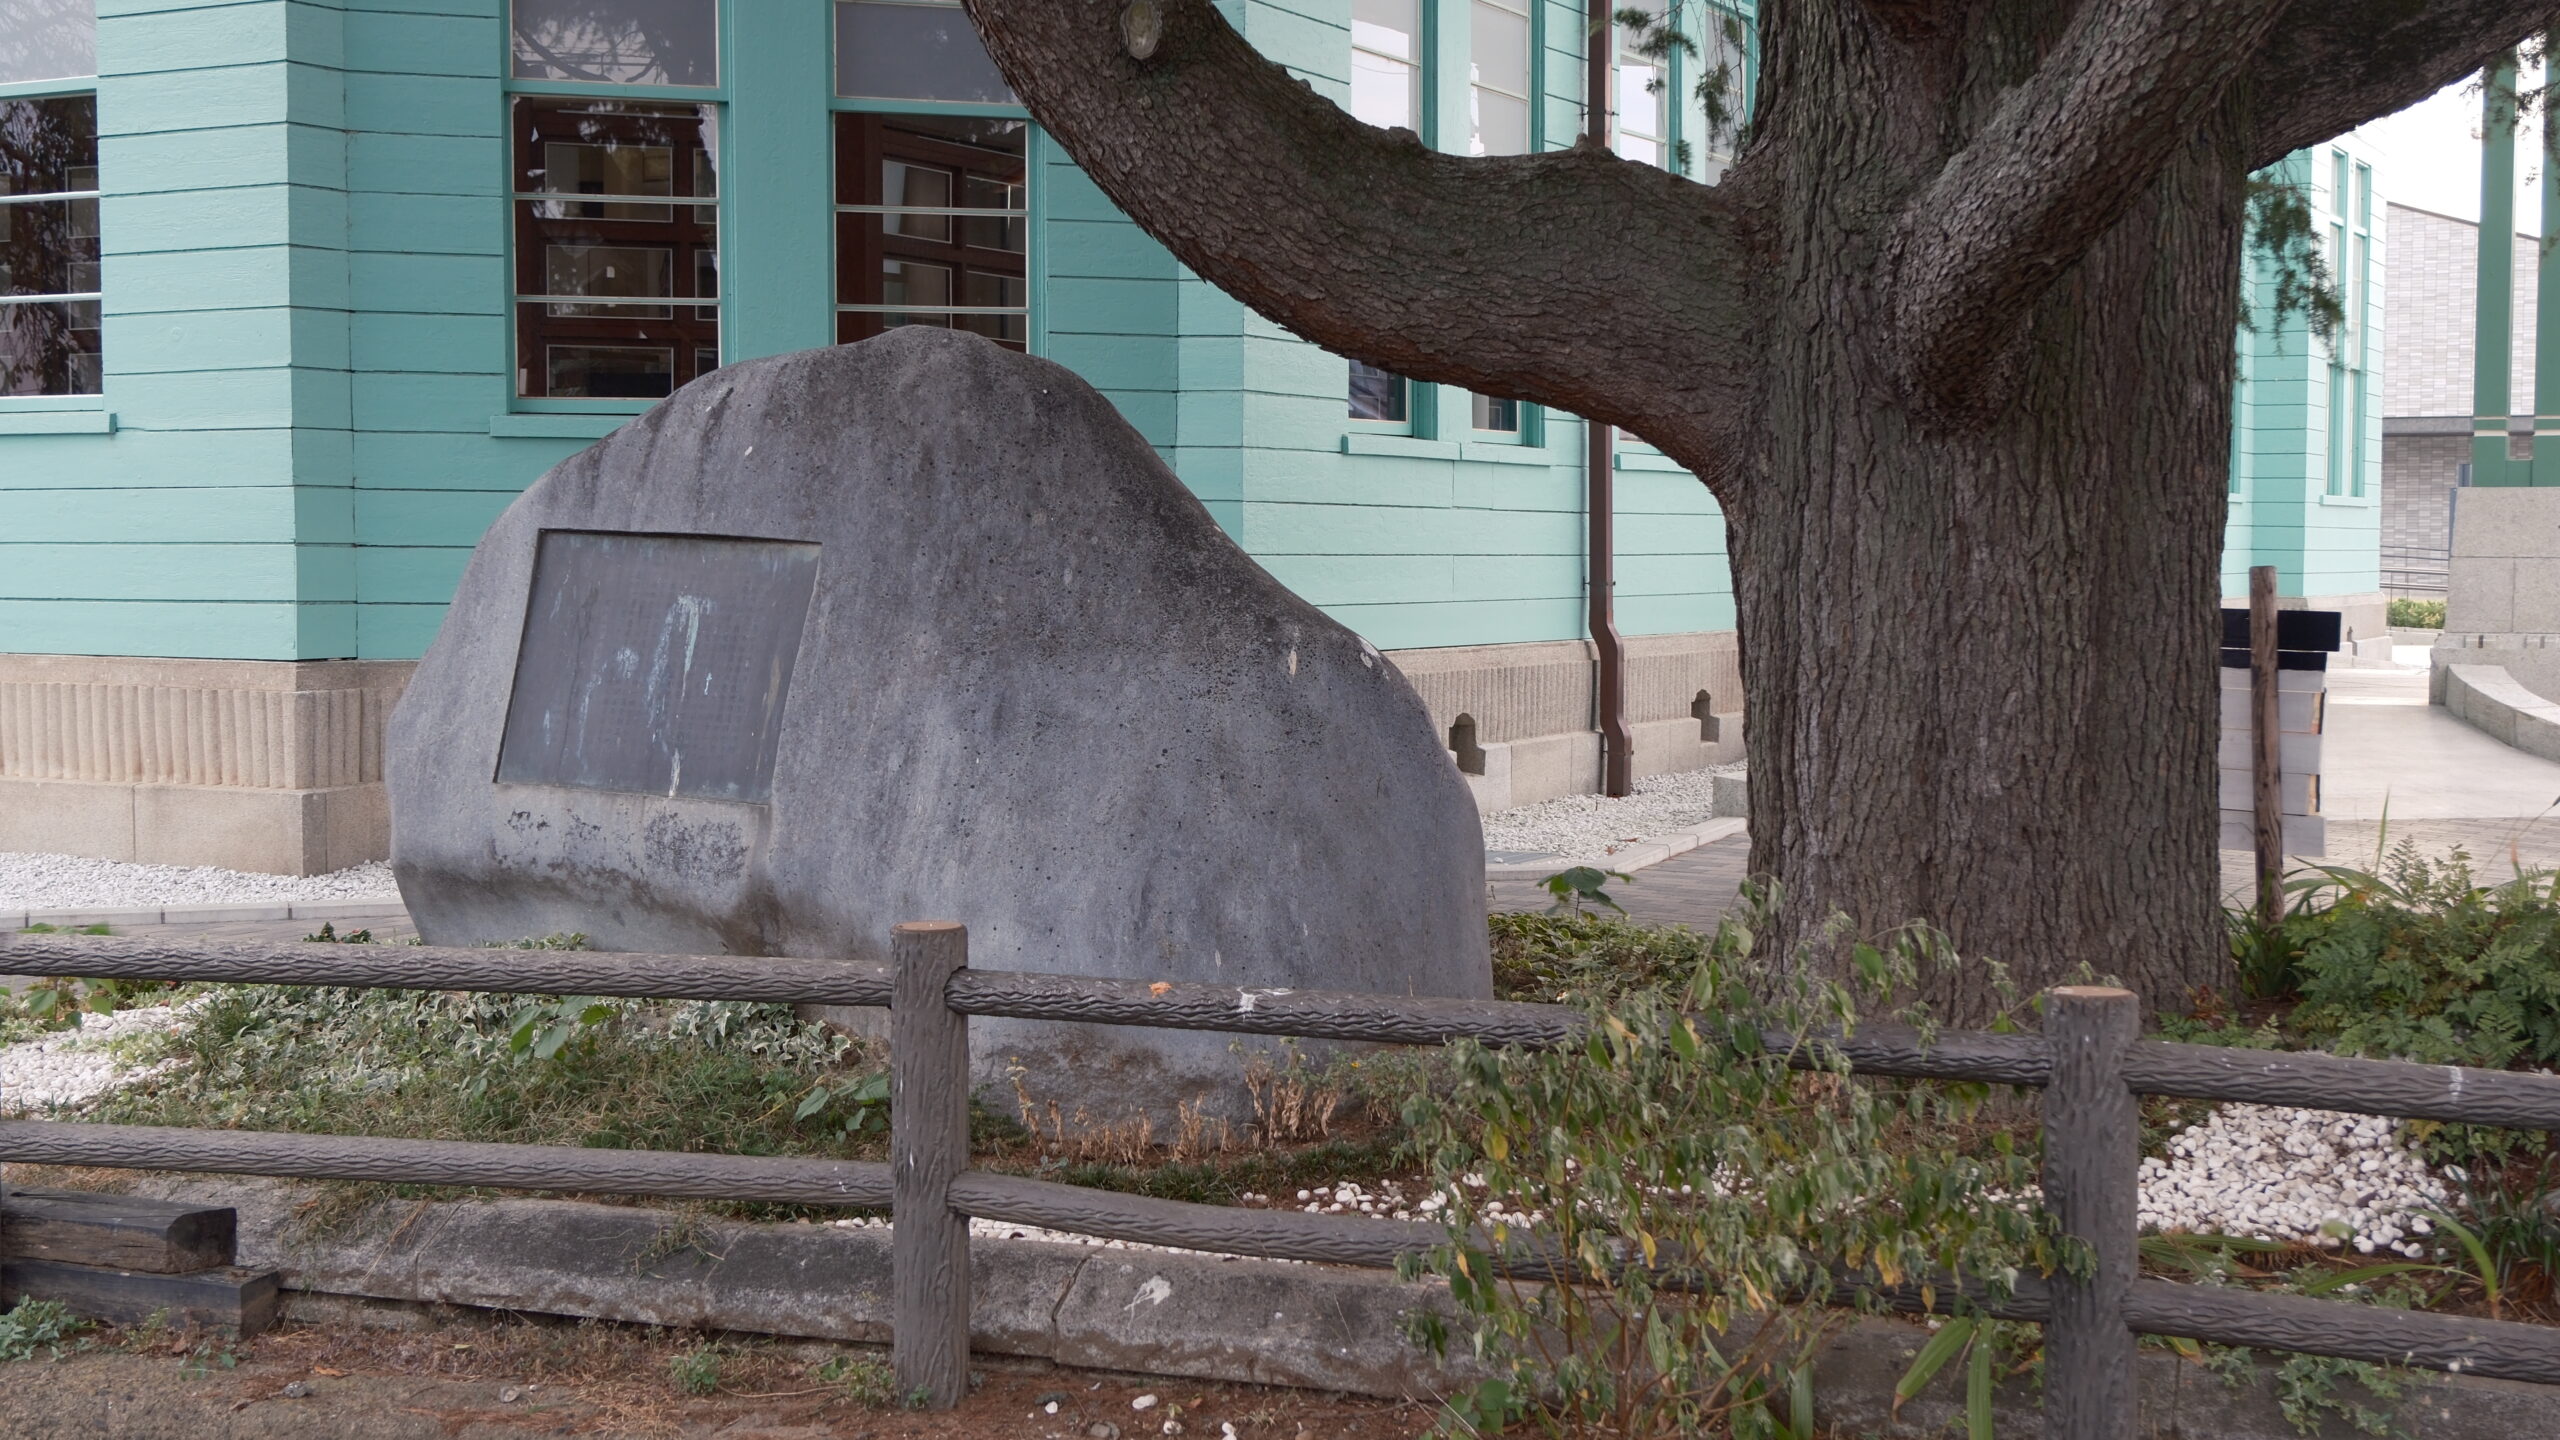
[{"x": 1691, "y": 889}]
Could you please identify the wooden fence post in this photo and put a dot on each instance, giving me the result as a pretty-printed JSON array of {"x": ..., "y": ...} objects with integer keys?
[
  {"x": 928, "y": 1148},
  {"x": 2266, "y": 742},
  {"x": 2092, "y": 1165}
]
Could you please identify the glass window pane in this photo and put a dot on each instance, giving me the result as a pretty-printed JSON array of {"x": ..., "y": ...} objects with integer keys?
[
  {"x": 912, "y": 282},
  {"x": 49, "y": 247},
  {"x": 1387, "y": 26},
  {"x": 618, "y": 42},
  {"x": 1501, "y": 123},
  {"x": 50, "y": 349},
  {"x": 49, "y": 147},
  {"x": 1498, "y": 415},
  {"x": 1500, "y": 53},
  {"x": 48, "y": 40},
  {"x": 609, "y": 372},
  {"x": 1377, "y": 394},
  {"x": 642, "y": 262},
  {"x": 609, "y": 270},
  {"x": 924, "y": 50},
  {"x": 1384, "y": 92},
  {"x": 932, "y": 225},
  {"x": 904, "y": 184}
]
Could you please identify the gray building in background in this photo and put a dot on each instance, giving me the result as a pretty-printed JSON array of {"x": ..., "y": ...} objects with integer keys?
[{"x": 2433, "y": 270}]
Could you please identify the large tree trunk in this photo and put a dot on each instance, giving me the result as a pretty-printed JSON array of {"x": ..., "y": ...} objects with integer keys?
[{"x": 1979, "y": 657}]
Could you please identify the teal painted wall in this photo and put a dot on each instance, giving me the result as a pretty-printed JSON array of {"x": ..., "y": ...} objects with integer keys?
[
  {"x": 214, "y": 519},
  {"x": 2283, "y": 512}
]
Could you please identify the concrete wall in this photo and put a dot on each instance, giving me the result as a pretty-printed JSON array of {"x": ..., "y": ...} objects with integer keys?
[
  {"x": 2435, "y": 276},
  {"x": 2504, "y": 606},
  {"x": 1532, "y": 710},
  {"x": 255, "y": 765}
]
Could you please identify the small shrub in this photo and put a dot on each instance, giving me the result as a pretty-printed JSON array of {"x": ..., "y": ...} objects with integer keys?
[
  {"x": 37, "y": 1327},
  {"x": 1699, "y": 1190},
  {"x": 1558, "y": 958},
  {"x": 864, "y": 1379},
  {"x": 2417, "y": 614},
  {"x": 696, "y": 1372},
  {"x": 2423, "y": 963}
]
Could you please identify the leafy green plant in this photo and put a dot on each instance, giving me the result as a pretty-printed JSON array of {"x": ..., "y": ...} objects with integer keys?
[
  {"x": 1583, "y": 885},
  {"x": 328, "y": 935},
  {"x": 858, "y": 1105},
  {"x": 546, "y": 1027},
  {"x": 42, "y": 929},
  {"x": 1704, "y": 1197},
  {"x": 863, "y": 1379},
  {"x": 2417, "y": 614},
  {"x": 696, "y": 1371},
  {"x": 37, "y": 1327},
  {"x": 2420, "y": 962}
]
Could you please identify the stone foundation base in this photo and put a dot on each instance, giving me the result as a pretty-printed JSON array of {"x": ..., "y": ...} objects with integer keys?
[
  {"x": 272, "y": 766},
  {"x": 1521, "y": 721}
]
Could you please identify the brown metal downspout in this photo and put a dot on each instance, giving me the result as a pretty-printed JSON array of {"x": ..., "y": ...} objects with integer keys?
[{"x": 1617, "y": 748}]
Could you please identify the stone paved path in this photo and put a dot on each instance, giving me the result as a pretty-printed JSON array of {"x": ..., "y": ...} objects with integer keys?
[{"x": 1691, "y": 889}]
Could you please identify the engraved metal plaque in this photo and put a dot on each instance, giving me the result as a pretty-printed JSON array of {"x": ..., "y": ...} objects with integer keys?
[{"x": 656, "y": 663}]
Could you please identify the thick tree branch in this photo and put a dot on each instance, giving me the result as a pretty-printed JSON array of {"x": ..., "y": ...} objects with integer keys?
[
  {"x": 2331, "y": 65},
  {"x": 2057, "y": 164},
  {"x": 1571, "y": 278}
]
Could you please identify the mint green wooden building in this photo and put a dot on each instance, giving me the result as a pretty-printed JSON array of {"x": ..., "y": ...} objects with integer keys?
[{"x": 296, "y": 295}]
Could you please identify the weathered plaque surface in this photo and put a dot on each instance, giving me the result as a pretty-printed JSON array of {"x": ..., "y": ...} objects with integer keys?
[{"x": 656, "y": 664}]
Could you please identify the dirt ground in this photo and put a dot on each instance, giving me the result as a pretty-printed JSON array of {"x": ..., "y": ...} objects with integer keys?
[{"x": 336, "y": 1379}]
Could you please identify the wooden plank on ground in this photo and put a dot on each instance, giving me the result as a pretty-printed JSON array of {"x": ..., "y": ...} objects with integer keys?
[
  {"x": 122, "y": 1232},
  {"x": 244, "y": 1301}
]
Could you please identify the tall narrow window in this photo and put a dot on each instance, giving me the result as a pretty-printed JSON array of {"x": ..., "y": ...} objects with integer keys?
[
  {"x": 913, "y": 50},
  {"x": 49, "y": 283},
  {"x": 1380, "y": 395},
  {"x": 932, "y": 225},
  {"x": 617, "y": 42},
  {"x": 1386, "y": 63},
  {"x": 1642, "y": 83},
  {"x": 1498, "y": 77},
  {"x": 1723, "y": 97},
  {"x": 617, "y": 247}
]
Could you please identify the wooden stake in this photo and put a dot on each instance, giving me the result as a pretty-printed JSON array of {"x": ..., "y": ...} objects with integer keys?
[
  {"x": 928, "y": 1148},
  {"x": 2092, "y": 1164},
  {"x": 2266, "y": 757}
]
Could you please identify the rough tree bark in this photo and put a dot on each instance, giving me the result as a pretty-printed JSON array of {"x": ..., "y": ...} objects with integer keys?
[{"x": 1952, "y": 345}]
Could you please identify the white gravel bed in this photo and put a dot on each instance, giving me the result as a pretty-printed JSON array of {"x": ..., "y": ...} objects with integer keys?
[
  {"x": 1589, "y": 826},
  {"x": 32, "y": 881},
  {"x": 2310, "y": 1177},
  {"x": 998, "y": 1230},
  {"x": 70, "y": 1066},
  {"x": 2307, "y": 1177}
]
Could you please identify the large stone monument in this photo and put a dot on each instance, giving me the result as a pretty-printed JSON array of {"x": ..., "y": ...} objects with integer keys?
[{"x": 921, "y": 629}]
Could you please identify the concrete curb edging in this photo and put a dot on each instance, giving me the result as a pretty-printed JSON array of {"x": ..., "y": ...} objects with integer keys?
[
  {"x": 1142, "y": 1311},
  {"x": 207, "y": 914},
  {"x": 1636, "y": 856},
  {"x": 2498, "y": 705}
]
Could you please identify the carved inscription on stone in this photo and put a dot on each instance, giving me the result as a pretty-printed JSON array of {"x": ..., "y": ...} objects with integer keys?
[{"x": 656, "y": 663}]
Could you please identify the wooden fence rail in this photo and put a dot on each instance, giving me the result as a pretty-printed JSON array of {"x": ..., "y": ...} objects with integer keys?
[{"x": 2089, "y": 1062}]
